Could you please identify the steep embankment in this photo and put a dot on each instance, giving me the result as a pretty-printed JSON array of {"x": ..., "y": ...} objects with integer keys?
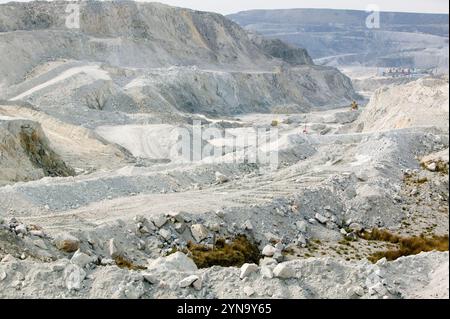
[
  {"x": 420, "y": 103},
  {"x": 77, "y": 146},
  {"x": 26, "y": 154},
  {"x": 130, "y": 41}
]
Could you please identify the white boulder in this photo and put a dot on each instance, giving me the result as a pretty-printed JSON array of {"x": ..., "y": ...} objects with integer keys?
[
  {"x": 166, "y": 234},
  {"x": 247, "y": 270},
  {"x": 73, "y": 277},
  {"x": 247, "y": 225},
  {"x": 269, "y": 251},
  {"x": 302, "y": 226},
  {"x": 221, "y": 178},
  {"x": 177, "y": 261},
  {"x": 432, "y": 167},
  {"x": 321, "y": 219},
  {"x": 266, "y": 272},
  {"x": 284, "y": 271},
  {"x": 199, "y": 232},
  {"x": 159, "y": 221},
  {"x": 114, "y": 251},
  {"x": 150, "y": 278},
  {"x": 81, "y": 259},
  {"x": 194, "y": 281}
]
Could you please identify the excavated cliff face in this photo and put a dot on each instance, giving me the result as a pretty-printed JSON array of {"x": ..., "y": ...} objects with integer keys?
[
  {"x": 129, "y": 34},
  {"x": 192, "y": 90},
  {"x": 25, "y": 153},
  {"x": 282, "y": 50},
  {"x": 247, "y": 73}
]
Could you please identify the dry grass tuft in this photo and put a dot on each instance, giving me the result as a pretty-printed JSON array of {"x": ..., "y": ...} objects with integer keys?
[
  {"x": 407, "y": 246},
  {"x": 380, "y": 235},
  {"x": 125, "y": 263},
  {"x": 240, "y": 251}
]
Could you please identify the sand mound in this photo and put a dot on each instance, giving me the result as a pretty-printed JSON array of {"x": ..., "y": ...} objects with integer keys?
[{"x": 420, "y": 103}]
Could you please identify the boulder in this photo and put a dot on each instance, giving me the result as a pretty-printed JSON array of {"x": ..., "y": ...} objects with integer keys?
[
  {"x": 199, "y": 232},
  {"x": 272, "y": 237},
  {"x": 194, "y": 281},
  {"x": 159, "y": 221},
  {"x": 165, "y": 234},
  {"x": 214, "y": 227},
  {"x": 220, "y": 213},
  {"x": 358, "y": 291},
  {"x": 355, "y": 227},
  {"x": 177, "y": 261},
  {"x": 134, "y": 290},
  {"x": 177, "y": 216},
  {"x": 139, "y": 219},
  {"x": 113, "y": 249},
  {"x": 321, "y": 219},
  {"x": 179, "y": 227},
  {"x": 247, "y": 225},
  {"x": 150, "y": 278},
  {"x": 432, "y": 167},
  {"x": 107, "y": 262},
  {"x": 21, "y": 229},
  {"x": 301, "y": 240},
  {"x": 378, "y": 288},
  {"x": 279, "y": 247},
  {"x": 37, "y": 233},
  {"x": 266, "y": 261},
  {"x": 302, "y": 226},
  {"x": 266, "y": 272},
  {"x": 249, "y": 291},
  {"x": 284, "y": 271},
  {"x": 142, "y": 229},
  {"x": 73, "y": 277},
  {"x": 247, "y": 270},
  {"x": 278, "y": 256},
  {"x": 81, "y": 259},
  {"x": 269, "y": 251},
  {"x": 221, "y": 178}
]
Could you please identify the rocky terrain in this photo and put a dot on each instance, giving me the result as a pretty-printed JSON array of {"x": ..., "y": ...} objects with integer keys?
[
  {"x": 341, "y": 37},
  {"x": 95, "y": 202}
]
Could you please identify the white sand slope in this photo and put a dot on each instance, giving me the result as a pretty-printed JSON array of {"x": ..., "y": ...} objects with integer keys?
[
  {"x": 92, "y": 71},
  {"x": 423, "y": 102}
]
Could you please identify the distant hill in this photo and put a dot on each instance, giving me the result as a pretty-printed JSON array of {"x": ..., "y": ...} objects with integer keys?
[{"x": 340, "y": 37}]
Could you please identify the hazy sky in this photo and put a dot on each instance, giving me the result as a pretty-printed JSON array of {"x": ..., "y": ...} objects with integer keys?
[{"x": 232, "y": 6}]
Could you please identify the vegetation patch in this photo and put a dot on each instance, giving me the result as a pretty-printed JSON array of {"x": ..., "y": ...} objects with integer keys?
[
  {"x": 405, "y": 246},
  {"x": 441, "y": 167},
  {"x": 125, "y": 263},
  {"x": 415, "y": 180},
  {"x": 240, "y": 251}
]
